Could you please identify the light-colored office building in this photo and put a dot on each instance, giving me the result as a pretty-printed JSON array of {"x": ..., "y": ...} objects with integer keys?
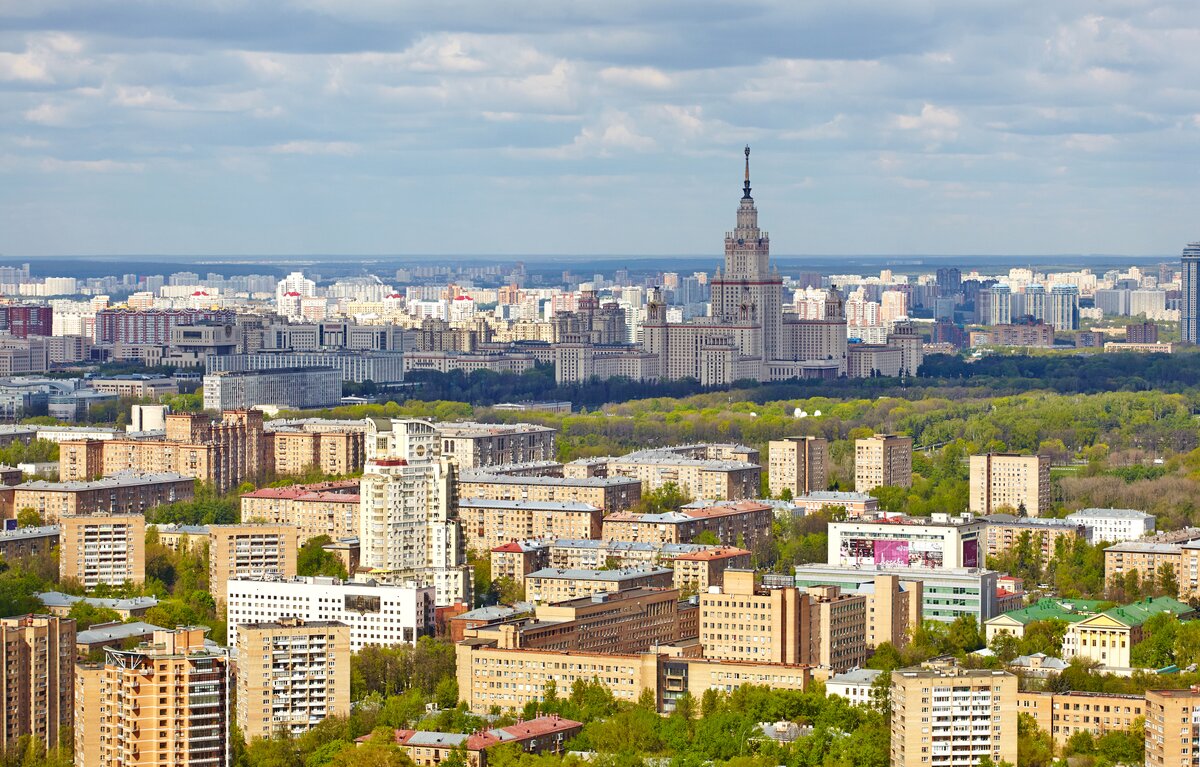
[
  {"x": 250, "y": 551},
  {"x": 797, "y": 464},
  {"x": 103, "y": 549},
  {"x": 1010, "y": 482},
  {"x": 376, "y": 614},
  {"x": 292, "y": 674},
  {"x": 937, "y": 542},
  {"x": 944, "y": 594},
  {"x": 884, "y": 459},
  {"x": 855, "y": 686},
  {"x": 39, "y": 677},
  {"x": 292, "y": 388},
  {"x": 408, "y": 518},
  {"x": 165, "y": 702},
  {"x": 1114, "y": 525},
  {"x": 945, "y": 716}
]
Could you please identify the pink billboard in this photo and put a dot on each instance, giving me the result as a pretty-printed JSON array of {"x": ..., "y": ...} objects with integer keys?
[{"x": 891, "y": 552}]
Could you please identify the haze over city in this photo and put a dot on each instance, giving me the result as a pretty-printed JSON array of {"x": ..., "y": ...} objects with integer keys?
[{"x": 596, "y": 127}]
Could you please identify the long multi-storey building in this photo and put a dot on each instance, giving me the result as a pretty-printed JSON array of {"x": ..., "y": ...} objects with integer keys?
[
  {"x": 1173, "y": 716},
  {"x": 611, "y": 494},
  {"x": 944, "y": 594},
  {"x": 292, "y": 388},
  {"x": 798, "y": 465},
  {"x": 944, "y": 716},
  {"x": 1005, "y": 531},
  {"x": 744, "y": 524},
  {"x": 556, "y": 585},
  {"x": 381, "y": 367},
  {"x": 475, "y": 445},
  {"x": 28, "y": 542},
  {"x": 408, "y": 511},
  {"x": 105, "y": 549},
  {"x": 292, "y": 674},
  {"x": 222, "y": 453},
  {"x": 376, "y": 614},
  {"x": 38, "y": 683},
  {"x": 153, "y": 326},
  {"x": 1114, "y": 525},
  {"x": 163, "y": 702},
  {"x": 712, "y": 472},
  {"x": 325, "y": 508},
  {"x": 1007, "y": 481},
  {"x": 121, "y": 493},
  {"x": 1189, "y": 303},
  {"x": 938, "y": 542},
  {"x": 1108, "y": 637},
  {"x": 237, "y": 552},
  {"x": 1062, "y": 714},
  {"x": 884, "y": 459},
  {"x": 487, "y": 523},
  {"x": 330, "y": 452}
]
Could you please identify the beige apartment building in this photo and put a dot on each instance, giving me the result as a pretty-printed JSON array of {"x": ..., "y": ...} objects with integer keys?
[
  {"x": 165, "y": 702},
  {"x": 1062, "y": 714},
  {"x": 711, "y": 471},
  {"x": 103, "y": 549},
  {"x": 1172, "y": 727},
  {"x": 1010, "y": 482},
  {"x": 742, "y": 523},
  {"x": 516, "y": 559},
  {"x": 325, "y": 508},
  {"x": 292, "y": 674},
  {"x": 28, "y": 542},
  {"x": 250, "y": 551},
  {"x": 474, "y": 445},
  {"x": 1147, "y": 556},
  {"x": 798, "y": 464},
  {"x": 697, "y": 571},
  {"x": 222, "y": 452},
  {"x": 330, "y": 452},
  {"x": 894, "y": 609},
  {"x": 1004, "y": 531},
  {"x": 135, "y": 386},
  {"x": 608, "y": 493},
  {"x": 122, "y": 493},
  {"x": 884, "y": 459},
  {"x": 837, "y": 638},
  {"x": 555, "y": 585},
  {"x": 489, "y": 523},
  {"x": 38, "y": 682},
  {"x": 943, "y": 715}
]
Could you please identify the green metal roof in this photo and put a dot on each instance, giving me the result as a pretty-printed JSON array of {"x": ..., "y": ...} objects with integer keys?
[{"x": 1048, "y": 608}]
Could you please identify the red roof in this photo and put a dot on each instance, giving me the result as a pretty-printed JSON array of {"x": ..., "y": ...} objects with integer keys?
[
  {"x": 721, "y": 553},
  {"x": 315, "y": 491},
  {"x": 478, "y": 741}
]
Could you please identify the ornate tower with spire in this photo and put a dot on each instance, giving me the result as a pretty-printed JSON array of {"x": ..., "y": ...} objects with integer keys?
[{"x": 748, "y": 290}]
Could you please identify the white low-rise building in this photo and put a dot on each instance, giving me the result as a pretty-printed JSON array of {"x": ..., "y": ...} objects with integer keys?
[
  {"x": 854, "y": 686},
  {"x": 376, "y": 614},
  {"x": 1114, "y": 525}
]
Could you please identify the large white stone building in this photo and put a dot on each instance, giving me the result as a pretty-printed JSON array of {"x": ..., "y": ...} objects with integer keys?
[
  {"x": 376, "y": 614},
  {"x": 1114, "y": 525},
  {"x": 408, "y": 513}
]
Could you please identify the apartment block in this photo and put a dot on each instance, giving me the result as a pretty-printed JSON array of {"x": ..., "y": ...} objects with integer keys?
[
  {"x": 743, "y": 523},
  {"x": 837, "y": 637},
  {"x": 292, "y": 674},
  {"x": 163, "y": 702},
  {"x": 121, "y": 493},
  {"x": 1007, "y": 482},
  {"x": 293, "y": 388},
  {"x": 698, "y": 571},
  {"x": 944, "y": 716},
  {"x": 28, "y": 542},
  {"x": 325, "y": 508},
  {"x": 1005, "y": 531},
  {"x": 629, "y": 621},
  {"x": 937, "y": 542},
  {"x": 555, "y": 585},
  {"x": 1172, "y": 727},
  {"x": 854, "y": 504},
  {"x": 710, "y": 471},
  {"x": 611, "y": 494},
  {"x": 103, "y": 549},
  {"x": 798, "y": 465},
  {"x": 1062, "y": 714},
  {"x": 39, "y": 677},
  {"x": 487, "y": 523},
  {"x": 1147, "y": 555},
  {"x": 376, "y": 614},
  {"x": 330, "y": 452},
  {"x": 884, "y": 459},
  {"x": 744, "y": 622},
  {"x": 222, "y": 452},
  {"x": 238, "y": 552},
  {"x": 516, "y": 559},
  {"x": 475, "y": 445}
]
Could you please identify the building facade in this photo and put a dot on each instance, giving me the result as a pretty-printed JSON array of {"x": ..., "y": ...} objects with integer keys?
[
  {"x": 797, "y": 464},
  {"x": 103, "y": 549},
  {"x": 291, "y": 388},
  {"x": 38, "y": 682},
  {"x": 1173, "y": 716},
  {"x": 884, "y": 459},
  {"x": 237, "y": 552},
  {"x": 487, "y": 524},
  {"x": 1006, "y": 481},
  {"x": 949, "y": 716},
  {"x": 325, "y": 508},
  {"x": 121, "y": 493}
]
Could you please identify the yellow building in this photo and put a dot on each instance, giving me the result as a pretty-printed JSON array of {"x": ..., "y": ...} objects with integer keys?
[
  {"x": 39, "y": 677},
  {"x": 103, "y": 549},
  {"x": 330, "y": 452},
  {"x": 798, "y": 464},
  {"x": 324, "y": 508},
  {"x": 556, "y": 585},
  {"x": 487, "y": 523},
  {"x": 1010, "y": 481},
  {"x": 884, "y": 459},
  {"x": 1062, "y": 714},
  {"x": 608, "y": 493},
  {"x": 165, "y": 702},
  {"x": 292, "y": 674},
  {"x": 1172, "y": 727},
  {"x": 1108, "y": 637},
  {"x": 122, "y": 493},
  {"x": 743, "y": 622},
  {"x": 945, "y": 715},
  {"x": 740, "y": 523},
  {"x": 250, "y": 551}
]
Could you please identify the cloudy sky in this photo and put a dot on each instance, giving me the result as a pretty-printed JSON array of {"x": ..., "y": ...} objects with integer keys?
[{"x": 598, "y": 126}]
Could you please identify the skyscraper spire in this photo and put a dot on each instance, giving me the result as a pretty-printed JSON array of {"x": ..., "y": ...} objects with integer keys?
[{"x": 746, "y": 188}]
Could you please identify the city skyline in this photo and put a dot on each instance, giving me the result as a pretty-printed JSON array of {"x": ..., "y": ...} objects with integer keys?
[{"x": 595, "y": 130}]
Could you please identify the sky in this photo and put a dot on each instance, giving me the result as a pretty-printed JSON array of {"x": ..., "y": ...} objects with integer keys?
[{"x": 387, "y": 127}]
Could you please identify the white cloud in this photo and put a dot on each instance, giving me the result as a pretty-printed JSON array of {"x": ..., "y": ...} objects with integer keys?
[
  {"x": 48, "y": 113},
  {"x": 1088, "y": 142},
  {"x": 640, "y": 77},
  {"x": 338, "y": 148},
  {"x": 54, "y": 165}
]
